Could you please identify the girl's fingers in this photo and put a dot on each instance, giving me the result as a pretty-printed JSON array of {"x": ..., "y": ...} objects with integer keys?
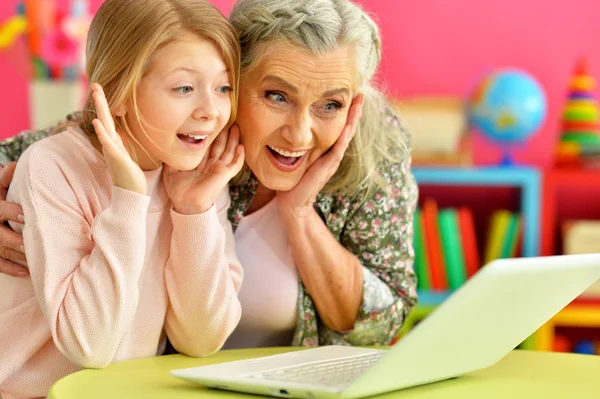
[
  {"x": 102, "y": 110},
  {"x": 232, "y": 144},
  {"x": 218, "y": 145},
  {"x": 105, "y": 140},
  {"x": 238, "y": 161},
  {"x": 108, "y": 145},
  {"x": 110, "y": 123}
]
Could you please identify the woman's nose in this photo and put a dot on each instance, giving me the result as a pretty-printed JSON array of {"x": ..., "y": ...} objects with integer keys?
[{"x": 299, "y": 132}]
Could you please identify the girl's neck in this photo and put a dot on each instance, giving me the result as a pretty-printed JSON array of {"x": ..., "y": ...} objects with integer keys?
[{"x": 262, "y": 197}]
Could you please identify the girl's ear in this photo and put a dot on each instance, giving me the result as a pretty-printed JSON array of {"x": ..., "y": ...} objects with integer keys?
[{"x": 120, "y": 111}]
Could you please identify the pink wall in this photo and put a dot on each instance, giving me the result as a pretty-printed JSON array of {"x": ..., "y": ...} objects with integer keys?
[{"x": 441, "y": 47}]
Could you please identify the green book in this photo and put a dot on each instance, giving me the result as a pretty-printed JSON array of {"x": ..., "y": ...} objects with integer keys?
[
  {"x": 421, "y": 262},
  {"x": 512, "y": 235},
  {"x": 452, "y": 248}
]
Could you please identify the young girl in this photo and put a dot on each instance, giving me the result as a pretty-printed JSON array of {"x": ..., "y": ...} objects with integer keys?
[{"x": 127, "y": 237}]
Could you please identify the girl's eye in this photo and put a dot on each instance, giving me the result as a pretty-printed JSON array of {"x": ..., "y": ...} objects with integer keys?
[
  {"x": 184, "y": 89},
  {"x": 225, "y": 89},
  {"x": 275, "y": 96}
]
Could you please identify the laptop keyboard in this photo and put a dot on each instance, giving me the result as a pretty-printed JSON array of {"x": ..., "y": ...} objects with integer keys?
[{"x": 327, "y": 372}]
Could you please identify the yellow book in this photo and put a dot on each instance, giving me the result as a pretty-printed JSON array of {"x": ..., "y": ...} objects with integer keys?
[{"x": 497, "y": 231}]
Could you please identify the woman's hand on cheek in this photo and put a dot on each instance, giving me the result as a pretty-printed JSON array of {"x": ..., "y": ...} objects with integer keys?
[
  {"x": 195, "y": 191},
  {"x": 125, "y": 173},
  {"x": 297, "y": 203}
]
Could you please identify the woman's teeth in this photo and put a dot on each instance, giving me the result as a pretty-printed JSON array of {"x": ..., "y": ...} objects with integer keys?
[{"x": 289, "y": 154}]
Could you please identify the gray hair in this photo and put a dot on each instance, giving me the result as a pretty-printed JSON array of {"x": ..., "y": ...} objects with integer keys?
[{"x": 321, "y": 26}]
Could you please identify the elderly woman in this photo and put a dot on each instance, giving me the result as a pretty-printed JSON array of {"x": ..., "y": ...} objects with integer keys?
[{"x": 323, "y": 210}]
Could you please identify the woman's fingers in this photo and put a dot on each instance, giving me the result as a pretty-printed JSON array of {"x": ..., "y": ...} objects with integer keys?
[
  {"x": 355, "y": 112},
  {"x": 333, "y": 158},
  {"x": 8, "y": 210},
  {"x": 10, "y": 239},
  {"x": 12, "y": 254},
  {"x": 12, "y": 269},
  {"x": 11, "y": 211},
  {"x": 6, "y": 176},
  {"x": 335, "y": 155}
]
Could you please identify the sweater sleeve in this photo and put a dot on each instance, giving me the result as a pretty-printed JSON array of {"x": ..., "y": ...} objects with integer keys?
[
  {"x": 203, "y": 277},
  {"x": 84, "y": 269}
]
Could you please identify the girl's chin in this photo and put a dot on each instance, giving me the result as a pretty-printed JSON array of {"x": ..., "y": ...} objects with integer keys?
[{"x": 183, "y": 165}]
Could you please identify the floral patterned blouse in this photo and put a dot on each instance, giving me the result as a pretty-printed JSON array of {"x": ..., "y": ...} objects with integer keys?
[{"x": 379, "y": 231}]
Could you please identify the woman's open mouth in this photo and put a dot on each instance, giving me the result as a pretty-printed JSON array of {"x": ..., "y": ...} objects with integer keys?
[{"x": 286, "y": 161}]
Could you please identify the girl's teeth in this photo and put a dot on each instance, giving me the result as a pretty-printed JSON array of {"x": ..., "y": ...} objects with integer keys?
[
  {"x": 294, "y": 154},
  {"x": 197, "y": 137}
]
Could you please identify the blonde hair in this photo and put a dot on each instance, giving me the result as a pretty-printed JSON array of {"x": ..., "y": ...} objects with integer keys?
[
  {"x": 125, "y": 33},
  {"x": 320, "y": 26}
]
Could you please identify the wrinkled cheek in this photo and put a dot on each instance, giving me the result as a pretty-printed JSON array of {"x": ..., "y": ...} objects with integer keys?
[{"x": 327, "y": 140}]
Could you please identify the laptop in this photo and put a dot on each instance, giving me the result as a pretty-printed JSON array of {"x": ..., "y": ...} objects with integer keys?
[{"x": 479, "y": 324}]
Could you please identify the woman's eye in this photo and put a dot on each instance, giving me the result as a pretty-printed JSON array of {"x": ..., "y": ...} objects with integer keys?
[
  {"x": 333, "y": 106},
  {"x": 274, "y": 96},
  {"x": 225, "y": 89},
  {"x": 184, "y": 89}
]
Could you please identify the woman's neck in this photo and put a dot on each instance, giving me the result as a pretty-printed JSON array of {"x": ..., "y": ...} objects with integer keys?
[{"x": 262, "y": 197}]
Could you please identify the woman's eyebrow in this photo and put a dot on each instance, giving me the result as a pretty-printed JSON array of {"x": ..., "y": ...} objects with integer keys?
[
  {"x": 276, "y": 79},
  {"x": 334, "y": 92}
]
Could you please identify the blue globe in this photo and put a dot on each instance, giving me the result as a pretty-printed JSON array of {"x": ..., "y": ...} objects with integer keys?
[{"x": 508, "y": 106}]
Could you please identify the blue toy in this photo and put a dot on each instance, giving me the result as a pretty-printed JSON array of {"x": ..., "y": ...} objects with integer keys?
[
  {"x": 586, "y": 347},
  {"x": 508, "y": 106}
]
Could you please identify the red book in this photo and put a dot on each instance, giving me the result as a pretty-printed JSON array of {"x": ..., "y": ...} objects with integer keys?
[
  {"x": 435, "y": 256},
  {"x": 469, "y": 241}
]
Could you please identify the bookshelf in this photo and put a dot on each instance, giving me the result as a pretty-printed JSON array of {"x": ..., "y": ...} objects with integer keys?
[
  {"x": 474, "y": 181},
  {"x": 527, "y": 180},
  {"x": 569, "y": 194}
]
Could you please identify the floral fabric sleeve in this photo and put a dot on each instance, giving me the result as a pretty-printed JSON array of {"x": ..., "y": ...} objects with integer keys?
[
  {"x": 380, "y": 233},
  {"x": 12, "y": 148}
]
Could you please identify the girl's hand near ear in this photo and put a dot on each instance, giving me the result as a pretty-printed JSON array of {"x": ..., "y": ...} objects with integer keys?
[
  {"x": 126, "y": 174},
  {"x": 195, "y": 191}
]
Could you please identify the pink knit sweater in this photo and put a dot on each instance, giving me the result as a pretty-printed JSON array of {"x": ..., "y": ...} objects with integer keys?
[{"x": 112, "y": 272}]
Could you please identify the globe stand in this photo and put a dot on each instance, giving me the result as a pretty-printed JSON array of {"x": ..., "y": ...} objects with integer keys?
[{"x": 507, "y": 158}]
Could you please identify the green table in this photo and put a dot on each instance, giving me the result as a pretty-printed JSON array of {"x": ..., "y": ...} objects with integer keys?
[{"x": 521, "y": 374}]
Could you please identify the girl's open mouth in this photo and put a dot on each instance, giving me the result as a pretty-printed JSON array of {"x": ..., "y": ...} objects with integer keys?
[{"x": 192, "y": 139}]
